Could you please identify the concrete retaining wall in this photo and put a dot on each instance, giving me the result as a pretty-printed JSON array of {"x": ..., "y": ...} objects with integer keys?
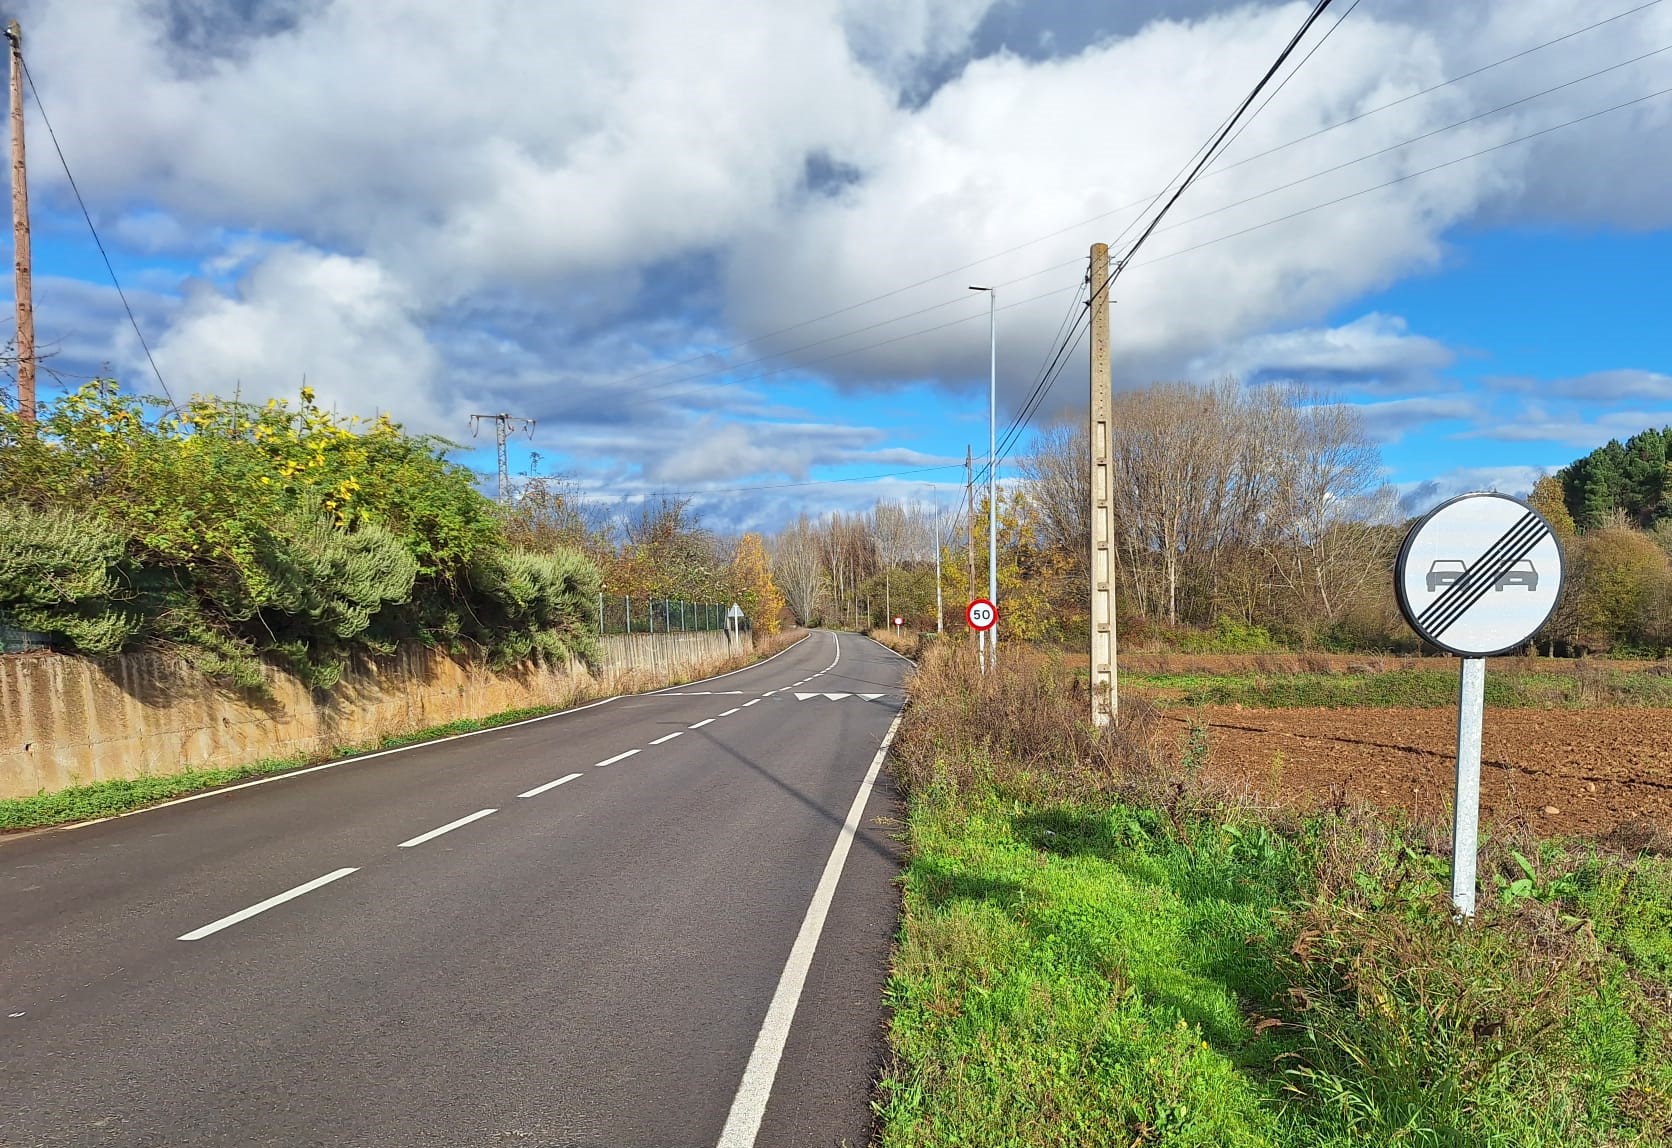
[{"x": 67, "y": 721}]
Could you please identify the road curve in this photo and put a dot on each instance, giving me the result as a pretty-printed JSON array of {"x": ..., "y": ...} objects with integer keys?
[{"x": 567, "y": 932}]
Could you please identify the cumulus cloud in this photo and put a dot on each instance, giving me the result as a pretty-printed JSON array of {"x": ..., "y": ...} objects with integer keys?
[
  {"x": 342, "y": 322},
  {"x": 1373, "y": 350},
  {"x": 432, "y": 206},
  {"x": 1420, "y": 497},
  {"x": 1389, "y": 421}
]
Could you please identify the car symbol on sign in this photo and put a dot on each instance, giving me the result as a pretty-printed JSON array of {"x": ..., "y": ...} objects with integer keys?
[{"x": 1445, "y": 571}]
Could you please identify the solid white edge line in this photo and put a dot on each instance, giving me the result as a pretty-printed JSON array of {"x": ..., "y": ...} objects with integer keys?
[
  {"x": 448, "y": 828},
  {"x": 263, "y": 906},
  {"x": 616, "y": 758},
  {"x": 728, "y": 713},
  {"x": 700, "y": 724},
  {"x": 539, "y": 789},
  {"x": 743, "y": 1122},
  {"x": 896, "y": 653},
  {"x": 667, "y": 737}
]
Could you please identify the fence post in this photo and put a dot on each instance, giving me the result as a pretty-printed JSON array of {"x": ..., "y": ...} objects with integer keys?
[{"x": 629, "y": 613}]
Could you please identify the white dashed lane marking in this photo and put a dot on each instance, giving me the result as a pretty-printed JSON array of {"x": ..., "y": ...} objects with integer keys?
[
  {"x": 263, "y": 906},
  {"x": 539, "y": 789},
  {"x": 448, "y": 828},
  {"x": 668, "y": 737}
]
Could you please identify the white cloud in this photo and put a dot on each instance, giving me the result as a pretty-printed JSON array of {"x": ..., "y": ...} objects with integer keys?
[
  {"x": 1390, "y": 421},
  {"x": 428, "y": 205},
  {"x": 343, "y": 322},
  {"x": 1372, "y": 350},
  {"x": 1419, "y": 497}
]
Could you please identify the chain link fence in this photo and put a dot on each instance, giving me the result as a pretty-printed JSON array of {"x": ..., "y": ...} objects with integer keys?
[
  {"x": 14, "y": 639},
  {"x": 626, "y": 614}
]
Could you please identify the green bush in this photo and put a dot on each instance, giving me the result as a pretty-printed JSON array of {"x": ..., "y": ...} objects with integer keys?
[{"x": 233, "y": 533}]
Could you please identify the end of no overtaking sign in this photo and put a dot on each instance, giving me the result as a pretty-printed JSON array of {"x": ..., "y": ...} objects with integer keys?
[{"x": 1479, "y": 574}]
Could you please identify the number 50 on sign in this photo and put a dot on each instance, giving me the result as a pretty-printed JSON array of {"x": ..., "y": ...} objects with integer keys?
[{"x": 981, "y": 615}]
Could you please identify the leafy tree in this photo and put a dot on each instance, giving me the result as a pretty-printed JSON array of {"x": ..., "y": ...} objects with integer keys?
[
  {"x": 1547, "y": 499},
  {"x": 751, "y": 581}
]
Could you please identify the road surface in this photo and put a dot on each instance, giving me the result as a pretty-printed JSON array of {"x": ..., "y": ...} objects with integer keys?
[{"x": 584, "y": 930}]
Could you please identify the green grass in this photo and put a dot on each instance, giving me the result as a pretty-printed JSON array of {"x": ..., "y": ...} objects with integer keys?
[
  {"x": 1427, "y": 689},
  {"x": 1076, "y": 975}
]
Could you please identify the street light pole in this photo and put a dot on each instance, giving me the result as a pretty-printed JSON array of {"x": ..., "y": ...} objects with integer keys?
[
  {"x": 992, "y": 465},
  {"x": 940, "y": 606}
]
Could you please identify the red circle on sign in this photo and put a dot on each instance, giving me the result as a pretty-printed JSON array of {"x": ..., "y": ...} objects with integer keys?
[
  {"x": 899, "y": 621},
  {"x": 981, "y": 615}
]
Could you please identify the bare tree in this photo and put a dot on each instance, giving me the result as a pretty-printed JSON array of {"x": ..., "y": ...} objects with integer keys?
[{"x": 798, "y": 568}]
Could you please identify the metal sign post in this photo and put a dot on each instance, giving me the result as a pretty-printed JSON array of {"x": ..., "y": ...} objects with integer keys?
[
  {"x": 734, "y": 618},
  {"x": 1478, "y": 575},
  {"x": 981, "y": 615}
]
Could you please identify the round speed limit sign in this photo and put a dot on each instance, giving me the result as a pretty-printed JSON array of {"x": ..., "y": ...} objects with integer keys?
[{"x": 981, "y": 615}]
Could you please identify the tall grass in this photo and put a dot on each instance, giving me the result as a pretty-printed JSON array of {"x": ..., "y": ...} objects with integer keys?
[{"x": 1097, "y": 949}]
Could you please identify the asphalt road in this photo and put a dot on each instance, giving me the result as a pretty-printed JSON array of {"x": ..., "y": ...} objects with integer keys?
[{"x": 592, "y": 963}]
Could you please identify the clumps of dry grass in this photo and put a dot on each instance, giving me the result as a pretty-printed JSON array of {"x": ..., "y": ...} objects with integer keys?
[{"x": 1024, "y": 728}]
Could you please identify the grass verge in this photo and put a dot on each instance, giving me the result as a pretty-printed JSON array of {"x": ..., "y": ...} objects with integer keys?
[
  {"x": 1097, "y": 951},
  {"x": 122, "y": 795},
  {"x": 1426, "y": 689}
]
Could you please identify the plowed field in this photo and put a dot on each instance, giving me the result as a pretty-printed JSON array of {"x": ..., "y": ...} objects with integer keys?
[{"x": 1561, "y": 771}]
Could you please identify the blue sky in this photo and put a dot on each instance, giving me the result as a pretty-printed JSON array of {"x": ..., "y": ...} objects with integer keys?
[{"x": 561, "y": 213}]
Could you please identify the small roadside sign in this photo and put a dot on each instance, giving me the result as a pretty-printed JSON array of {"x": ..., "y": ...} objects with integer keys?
[
  {"x": 735, "y": 613},
  {"x": 981, "y": 615},
  {"x": 899, "y": 621},
  {"x": 1478, "y": 575}
]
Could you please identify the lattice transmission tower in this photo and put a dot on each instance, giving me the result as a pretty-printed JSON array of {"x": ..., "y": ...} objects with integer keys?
[{"x": 504, "y": 426}]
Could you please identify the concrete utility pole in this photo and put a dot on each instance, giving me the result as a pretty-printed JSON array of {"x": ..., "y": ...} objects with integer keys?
[
  {"x": 1105, "y": 705},
  {"x": 992, "y": 635},
  {"x": 940, "y": 605},
  {"x": 969, "y": 513},
  {"x": 503, "y": 425},
  {"x": 20, "y": 238}
]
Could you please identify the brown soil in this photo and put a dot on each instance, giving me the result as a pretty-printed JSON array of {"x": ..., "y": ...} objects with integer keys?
[{"x": 1560, "y": 771}]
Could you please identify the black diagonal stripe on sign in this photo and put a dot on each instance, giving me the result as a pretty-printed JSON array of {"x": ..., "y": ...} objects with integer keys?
[
  {"x": 1462, "y": 594},
  {"x": 1503, "y": 568},
  {"x": 1480, "y": 577},
  {"x": 1488, "y": 571},
  {"x": 1465, "y": 582}
]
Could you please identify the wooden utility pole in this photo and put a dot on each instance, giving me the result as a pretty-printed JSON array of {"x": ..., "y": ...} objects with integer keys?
[
  {"x": 1105, "y": 706},
  {"x": 20, "y": 238}
]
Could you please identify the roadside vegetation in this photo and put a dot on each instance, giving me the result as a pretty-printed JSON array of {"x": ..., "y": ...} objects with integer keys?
[
  {"x": 238, "y": 535},
  {"x": 1097, "y": 949}
]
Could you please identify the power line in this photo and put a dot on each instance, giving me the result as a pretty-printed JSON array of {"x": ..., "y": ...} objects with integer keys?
[
  {"x": 99, "y": 243},
  {"x": 1137, "y": 244},
  {"x": 1034, "y": 404},
  {"x": 1407, "y": 176},
  {"x": 1295, "y": 72},
  {"x": 1211, "y": 170}
]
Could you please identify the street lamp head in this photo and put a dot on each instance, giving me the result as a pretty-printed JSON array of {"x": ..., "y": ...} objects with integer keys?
[{"x": 973, "y": 287}]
